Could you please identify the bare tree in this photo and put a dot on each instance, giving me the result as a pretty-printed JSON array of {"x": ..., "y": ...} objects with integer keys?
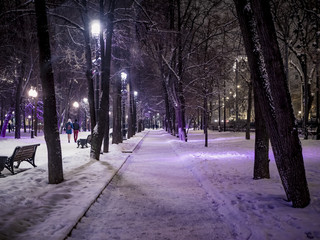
[
  {"x": 51, "y": 131},
  {"x": 273, "y": 97}
]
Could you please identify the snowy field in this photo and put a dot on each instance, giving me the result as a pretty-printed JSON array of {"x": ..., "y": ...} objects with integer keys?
[{"x": 254, "y": 209}]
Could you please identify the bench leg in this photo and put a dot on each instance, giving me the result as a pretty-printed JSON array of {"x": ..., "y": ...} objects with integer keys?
[{"x": 9, "y": 166}]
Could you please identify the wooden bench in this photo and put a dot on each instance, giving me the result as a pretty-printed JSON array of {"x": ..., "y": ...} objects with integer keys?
[
  {"x": 20, "y": 154},
  {"x": 84, "y": 141}
]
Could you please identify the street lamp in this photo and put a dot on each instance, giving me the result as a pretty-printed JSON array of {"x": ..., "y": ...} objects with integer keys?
[
  {"x": 95, "y": 30},
  {"x": 75, "y": 104},
  {"x": 123, "y": 81},
  {"x": 33, "y": 94}
]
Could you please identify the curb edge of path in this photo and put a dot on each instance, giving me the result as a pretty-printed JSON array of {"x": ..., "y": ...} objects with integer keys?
[
  {"x": 131, "y": 150},
  {"x": 69, "y": 229}
]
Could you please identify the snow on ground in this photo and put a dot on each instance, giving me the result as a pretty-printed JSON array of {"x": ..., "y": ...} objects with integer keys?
[
  {"x": 33, "y": 209},
  {"x": 255, "y": 209}
]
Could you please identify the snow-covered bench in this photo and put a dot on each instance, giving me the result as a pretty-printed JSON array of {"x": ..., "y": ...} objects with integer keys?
[
  {"x": 84, "y": 141},
  {"x": 20, "y": 154}
]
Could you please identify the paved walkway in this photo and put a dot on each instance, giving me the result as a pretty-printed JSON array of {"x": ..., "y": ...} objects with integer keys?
[{"x": 153, "y": 197}]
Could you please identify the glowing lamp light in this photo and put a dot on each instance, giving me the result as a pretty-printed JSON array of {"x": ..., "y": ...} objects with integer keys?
[
  {"x": 33, "y": 93},
  {"x": 95, "y": 28},
  {"x": 76, "y": 104},
  {"x": 123, "y": 76},
  {"x": 85, "y": 100},
  {"x": 135, "y": 93}
]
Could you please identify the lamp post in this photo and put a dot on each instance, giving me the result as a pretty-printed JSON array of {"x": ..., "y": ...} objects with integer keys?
[
  {"x": 123, "y": 81},
  {"x": 33, "y": 94},
  {"x": 95, "y": 30}
]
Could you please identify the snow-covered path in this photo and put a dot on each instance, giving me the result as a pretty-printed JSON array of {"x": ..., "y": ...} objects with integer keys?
[{"x": 154, "y": 196}]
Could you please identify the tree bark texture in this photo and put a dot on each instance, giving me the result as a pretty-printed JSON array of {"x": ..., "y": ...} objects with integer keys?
[
  {"x": 261, "y": 144},
  {"x": 51, "y": 131},
  {"x": 273, "y": 97},
  {"x": 105, "y": 76},
  {"x": 129, "y": 108},
  {"x": 249, "y": 110},
  {"x": 103, "y": 124},
  {"x": 116, "y": 129},
  {"x": 205, "y": 119},
  {"x": 285, "y": 141},
  {"x": 19, "y": 82},
  {"x": 89, "y": 76}
]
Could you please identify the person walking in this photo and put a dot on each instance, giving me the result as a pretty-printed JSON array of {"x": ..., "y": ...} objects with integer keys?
[
  {"x": 69, "y": 127},
  {"x": 76, "y": 129}
]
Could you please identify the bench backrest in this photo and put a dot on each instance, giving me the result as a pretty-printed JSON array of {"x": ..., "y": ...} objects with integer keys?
[
  {"x": 24, "y": 152},
  {"x": 89, "y": 139}
]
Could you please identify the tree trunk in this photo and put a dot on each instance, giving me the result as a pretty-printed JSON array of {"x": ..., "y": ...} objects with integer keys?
[
  {"x": 180, "y": 93},
  {"x": 103, "y": 125},
  {"x": 116, "y": 131},
  {"x": 129, "y": 104},
  {"x": 6, "y": 121},
  {"x": 261, "y": 144},
  {"x": 249, "y": 110},
  {"x": 35, "y": 117},
  {"x": 167, "y": 107},
  {"x": 317, "y": 75},
  {"x": 88, "y": 57},
  {"x": 274, "y": 99},
  {"x": 19, "y": 81},
  {"x": 51, "y": 131},
  {"x": 205, "y": 119},
  {"x": 105, "y": 76}
]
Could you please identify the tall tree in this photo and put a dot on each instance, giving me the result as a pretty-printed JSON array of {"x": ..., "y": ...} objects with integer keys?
[
  {"x": 273, "y": 96},
  {"x": 88, "y": 56},
  {"x": 102, "y": 125},
  {"x": 51, "y": 131}
]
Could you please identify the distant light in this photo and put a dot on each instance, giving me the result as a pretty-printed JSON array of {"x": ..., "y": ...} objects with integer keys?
[
  {"x": 85, "y": 100},
  {"x": 29, "y": 116},
  {"x": 135, "y": 93},
  {"x": 12, "y": 112},
  {"x": 238, "y": 86},
  {"x": 95, "y": 28},
  {"x": 32, "y": 93},
  {"x": 76, "y": 104},
  {"x": 216, "y": 120},
  {"x": 126, "y": 116},
  {"x": 123, "y": 76},
  {"x": 109, "y": 113},
  {"x": 299, "y": 112}
]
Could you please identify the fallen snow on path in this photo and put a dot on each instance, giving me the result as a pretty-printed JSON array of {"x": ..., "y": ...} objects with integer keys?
[{"x": 250, "y": 209}]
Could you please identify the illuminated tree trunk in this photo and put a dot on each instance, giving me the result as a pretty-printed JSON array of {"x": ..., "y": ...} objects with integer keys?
[{"x": 273, "y": 96}]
